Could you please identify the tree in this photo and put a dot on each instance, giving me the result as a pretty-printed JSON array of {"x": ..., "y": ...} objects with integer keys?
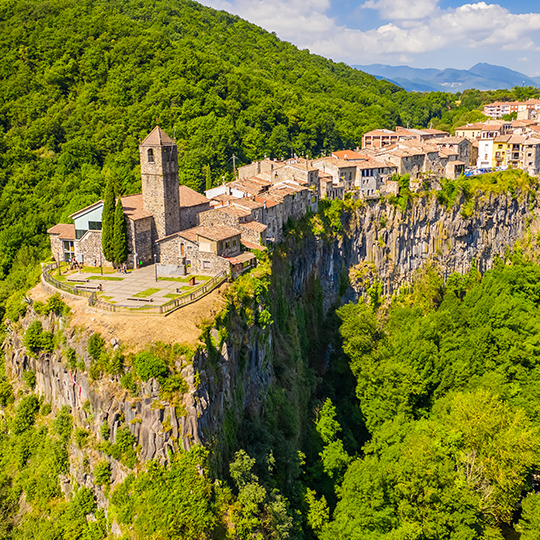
[
  {"x": 108, "y": 218},
  {"x": 120, "y": 248},
  {"x": 208, "y": 174}
]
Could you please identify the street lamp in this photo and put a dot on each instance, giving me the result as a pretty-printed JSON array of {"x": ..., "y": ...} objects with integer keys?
[
  {"x": 100, "y": 262},
  {"x": 155, "y": 266}
]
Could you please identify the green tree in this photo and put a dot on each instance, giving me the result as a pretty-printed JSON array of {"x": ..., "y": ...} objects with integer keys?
[
  {"x": 208, "y": 176},
  {"x": 108, "y": 222},
  {"x": 120, "y": 234}
]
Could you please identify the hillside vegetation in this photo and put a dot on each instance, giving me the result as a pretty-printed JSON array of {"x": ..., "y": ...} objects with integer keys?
[{"x": 82, "y": 81}]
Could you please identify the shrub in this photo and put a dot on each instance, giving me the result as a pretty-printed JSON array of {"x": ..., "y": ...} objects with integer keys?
[
  {"x": 6, "y": 392},
  {"x": 71, "y": 358},
  {"x": 128, "y": 383},
  {"x": 29, "y": 377},
  {"x": 46, "y": 409},
  {"x": 15, "y": 306},
  {"x": 32, "y": 336},
  {"x": 105, "y": 431},
  {"x": 96, "y": 345},
  {"x": 62, "y": 424},
  {"x": 26, "y": 414},
  {"x": 148, "y": 366},
  {"x": 102, "y": 473},
  {"x": 81, "y": 436}
]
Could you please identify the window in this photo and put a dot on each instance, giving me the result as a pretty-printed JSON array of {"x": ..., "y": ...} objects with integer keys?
[
  {"x": 234, "y": 242},
  {"x": 188, "y": 262},
  {"x": 206, "y": 265},
  {"x": 94, "y": 225},
  {"x": 182, "y": 251},
  {"x": 79, "y": 233},
  {"x": 150, "y": 155},
  {"x": 227, "y": 245}
]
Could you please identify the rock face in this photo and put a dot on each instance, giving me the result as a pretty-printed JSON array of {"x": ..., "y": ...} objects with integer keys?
[
  {"x": 390, "y": 246},
  {"x": 378, "y": 240}
]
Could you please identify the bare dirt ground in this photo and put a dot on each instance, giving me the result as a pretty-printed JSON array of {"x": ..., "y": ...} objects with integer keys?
[{"x": 135, "y": 331}]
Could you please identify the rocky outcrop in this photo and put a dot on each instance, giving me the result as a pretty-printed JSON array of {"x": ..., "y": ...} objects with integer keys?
[{"x": 390, "y": 245}]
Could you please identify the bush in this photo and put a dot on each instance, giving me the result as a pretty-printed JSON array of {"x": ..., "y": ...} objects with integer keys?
[
  {"x": 46, "y": 409},
  {"x": 16, "y": 306},
  {"x": 149, "y": 366},
  {"x": 6, "y": 392},
  {"x": 81, "y": 436},
  {"x": 71, "y": 358},
  {"x": 26, "y": 414},
  {"x": 29, "y": 377},
  {"x": 105, "y": 431},
  {"x": 62, "y": 424},
  {"x": 129, "y": 384},
  {"x": 35, "y": 339},
  {"x": 96, "y": 345},
  {"x": 102, "y": 473}
]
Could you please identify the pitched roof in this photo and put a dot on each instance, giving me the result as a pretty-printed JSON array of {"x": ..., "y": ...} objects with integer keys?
[
  {"x": 217, "y": 233},
  {"x": 64, "y": 231},
  {"x": 86, "y": 209},
  {"x": 134, "y": 208},
  {"x": 157, "y": 137},
  {"x": 254, "y": 226},
  {"x": 347, "y": 154},
  {"x": 189, "y": 197}
]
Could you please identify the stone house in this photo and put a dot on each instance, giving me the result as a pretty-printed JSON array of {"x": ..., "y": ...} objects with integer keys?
[
  {"x": 343, "y": 172},
  {"x": 461, "y": 145}
]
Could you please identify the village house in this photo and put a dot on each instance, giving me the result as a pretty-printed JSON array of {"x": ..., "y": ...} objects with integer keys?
[{"x": 498, "y": 109}]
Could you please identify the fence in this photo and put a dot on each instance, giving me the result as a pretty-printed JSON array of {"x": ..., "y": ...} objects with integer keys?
[{"x": 164, "y": 309}]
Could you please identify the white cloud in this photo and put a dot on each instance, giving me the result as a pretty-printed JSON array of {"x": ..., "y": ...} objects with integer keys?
[{"x": 414, "y": 28}]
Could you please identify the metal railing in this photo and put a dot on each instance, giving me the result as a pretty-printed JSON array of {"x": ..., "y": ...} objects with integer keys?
[{"x": 164, "y": 309}]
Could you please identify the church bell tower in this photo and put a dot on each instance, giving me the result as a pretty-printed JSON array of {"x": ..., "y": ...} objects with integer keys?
[{"x": 159, "y": 174}]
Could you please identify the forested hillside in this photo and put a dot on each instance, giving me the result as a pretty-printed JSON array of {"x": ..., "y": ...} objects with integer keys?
[{"x": 82, "y": 81}]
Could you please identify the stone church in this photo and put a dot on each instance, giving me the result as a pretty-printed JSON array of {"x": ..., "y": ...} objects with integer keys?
[{"x": 162, "y": 222}]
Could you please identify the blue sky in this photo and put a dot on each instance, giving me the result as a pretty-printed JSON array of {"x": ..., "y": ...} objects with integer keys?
[{"x": 419, "y": 33}]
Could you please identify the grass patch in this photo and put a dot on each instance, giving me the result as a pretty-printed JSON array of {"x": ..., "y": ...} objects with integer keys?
[
  {"x": 185, "y": 279},
  {"x": 107, "y": 278},
  {"x": 97, "y": 270},
  {"x": 172, "y": 295},
  {"x": 148, "y": 292}
]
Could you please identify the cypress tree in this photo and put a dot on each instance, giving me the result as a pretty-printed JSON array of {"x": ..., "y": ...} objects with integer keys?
[
  {"x": 206, "y": 169},
  {"x": 120, "y": 236},
  {"x": 107, "y": 225}
]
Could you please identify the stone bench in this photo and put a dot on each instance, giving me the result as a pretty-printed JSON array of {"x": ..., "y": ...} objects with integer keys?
[
  {"x": 142, "y": 299},
  {"x": 88, "y": 287},
  {"x": 78, "y": 280}
]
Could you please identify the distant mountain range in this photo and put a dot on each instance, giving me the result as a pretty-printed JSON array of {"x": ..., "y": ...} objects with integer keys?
[{"x": 481, "y": 76}]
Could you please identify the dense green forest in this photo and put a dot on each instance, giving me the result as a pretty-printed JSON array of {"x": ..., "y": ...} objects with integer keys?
[{"x": 82, "y": 81}]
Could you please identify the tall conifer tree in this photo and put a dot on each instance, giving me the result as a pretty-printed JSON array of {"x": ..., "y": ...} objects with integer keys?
[
  {"x": 120, "y": 237},
  {"x": 107, "y": 232}
]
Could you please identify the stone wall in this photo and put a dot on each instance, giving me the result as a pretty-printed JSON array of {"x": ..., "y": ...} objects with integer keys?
[
  {"x": 189, "y": 215},
  {"x": 139, "y": 236},
  {"x": 89, "y": 246}
]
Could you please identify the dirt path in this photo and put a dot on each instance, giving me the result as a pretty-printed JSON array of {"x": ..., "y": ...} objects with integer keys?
[{"x": 137, "y": 330}]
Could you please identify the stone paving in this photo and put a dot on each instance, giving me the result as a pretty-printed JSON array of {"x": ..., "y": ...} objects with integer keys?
[{"x": 122, "y": 289}]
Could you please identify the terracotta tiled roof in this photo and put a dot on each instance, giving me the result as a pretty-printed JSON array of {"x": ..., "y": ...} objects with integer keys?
[
  {"x": 251, "y": 245},
  {"x": 254, "y": 226},
  {"x": 377, "y": 132},
  {"x": 231, "y": 210},
  {"x": 157, "y": 137},
  {"x": 243, "y": 257},
  {"x": 217, "y": 233},
  {"x": 268, "y": 200},
  {"x": 189, "y": 234},
  {"x": 189, "y": 197},
  {"x": 448, "y": 140},
  {"x": 133, "y": 207},
  {"x": 64, "y": 231},
  {"x": 347, "y": 155},
  {"x": 247, "y": 202}
]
